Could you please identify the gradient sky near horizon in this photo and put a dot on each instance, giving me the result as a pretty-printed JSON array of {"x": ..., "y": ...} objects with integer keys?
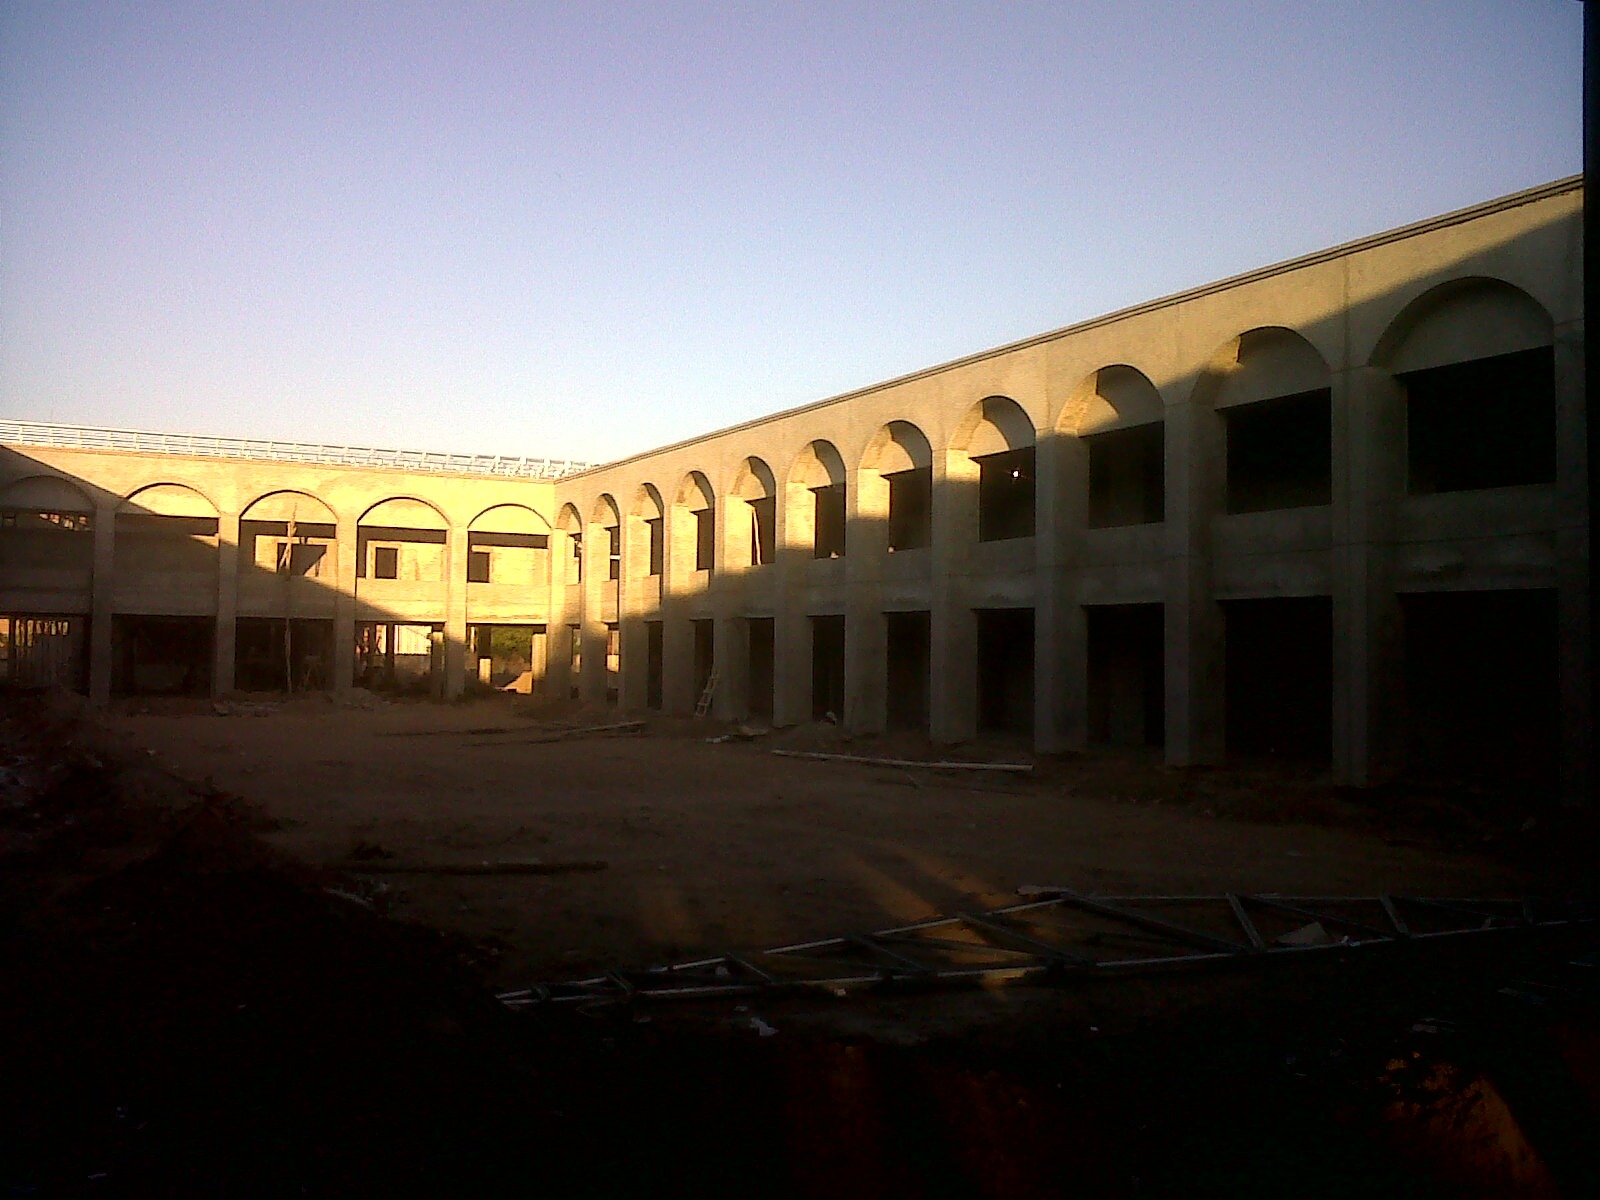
[{"x": 586, "y": 230}]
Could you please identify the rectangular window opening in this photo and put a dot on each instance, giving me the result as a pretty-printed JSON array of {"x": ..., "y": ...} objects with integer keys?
[
  {"x": 1127, "y": 476},
  {"x": 910, "y": 509},
  {"x": 478, "y": 566},
  {"x": 829, "y": 528},
  {"x": 763, "y": 530},
  {"x": 705, "y": 527},
  {"x": 657, "y": 545},
  {"x": 1005, "y": 495},
  {"x": 1486, "y": 423},
  {"x": 386, "y": 562},
  {"x": 1280, "y": 452}
]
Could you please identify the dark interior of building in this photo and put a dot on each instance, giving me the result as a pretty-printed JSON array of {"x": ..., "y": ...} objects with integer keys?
[
  {"x": 1126, "y": 666},
  {"x": 1279, "y": 678},
  {"x": 1005, "y": 669},
  {"x": 1280, "y": 452}
]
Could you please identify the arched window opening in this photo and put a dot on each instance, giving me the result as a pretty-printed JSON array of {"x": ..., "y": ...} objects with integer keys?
[
  {"x": 607, "y": 517},
  {"x": 752, "y": 517},
  {"x": 1005, "y": 495},
  {"x": 897, "y": 486},
  {"x": 817, "y": 500},
  {"x": 697, "y": 499},
  {"x": 1478, "y": 366},
  {"x": 508, "y": 544},
  {"x": 998, "y": 438},
  {"x": 1119, "y": 419},
  {"x": 1273, "y": 398}
]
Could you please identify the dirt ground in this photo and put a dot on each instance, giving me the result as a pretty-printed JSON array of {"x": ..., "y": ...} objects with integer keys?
[
  {"x": 712, "y": 846},
  {"x": 195, "y": 1006}
]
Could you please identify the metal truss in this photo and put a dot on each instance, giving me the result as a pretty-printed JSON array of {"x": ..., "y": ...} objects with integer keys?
[
  {"x": 1058, "y": 935},
  {"x": 89, "y": 437}
]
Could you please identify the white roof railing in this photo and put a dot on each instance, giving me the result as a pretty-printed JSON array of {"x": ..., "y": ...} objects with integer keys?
[{"x": 88, "y": 437}]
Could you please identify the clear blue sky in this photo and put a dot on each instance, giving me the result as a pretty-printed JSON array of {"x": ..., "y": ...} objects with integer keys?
[{"x": 588, "y": 229}]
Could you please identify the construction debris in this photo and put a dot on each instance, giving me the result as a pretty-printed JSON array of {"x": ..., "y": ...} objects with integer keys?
[
  {"x": 563, "y": 735},
  {"x": 359, "y": 866},
  {"x": 1066, "y": 935},
  {"x": 942, "y": 765}
]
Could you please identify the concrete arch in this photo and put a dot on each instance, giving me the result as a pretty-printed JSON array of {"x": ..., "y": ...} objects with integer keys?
[
  {"x": 1269, "y": 435},
  {"x": 754, "y": 480},
  {"x": 46, "y": 493},
  {"x": 404, "y": 512},
  {"x": 897, "y": 446},
  {"x": 647, "y": 504},
  {"x": 509, "y": 518},
  {"x": 1461, "y": 320},
  {"x": 815, "y": 501},
  {"x": 567, "y": 520},
  {"x": 168, "y": 500},
  {"x": 691, "y": 530},
  {"x": 288, "y": 504},
  {"x": 695, "y": 492},
  {"x": 818, "y": 465},
  {"x": 895, "y": 489},
  {"x": 1114, "y": 397},
  {"x": 1261, "y": 364},
  {"x": 751, "y": 525},
  {"x": 992, "y": 426},
  {"x": 644, "y": 542}
]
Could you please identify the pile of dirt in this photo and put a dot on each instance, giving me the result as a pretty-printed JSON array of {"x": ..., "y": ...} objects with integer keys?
[{"x": 187, "y": 1012}]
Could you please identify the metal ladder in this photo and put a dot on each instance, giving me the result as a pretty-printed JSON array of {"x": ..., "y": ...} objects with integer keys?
[{"x": 704, "y": 706}]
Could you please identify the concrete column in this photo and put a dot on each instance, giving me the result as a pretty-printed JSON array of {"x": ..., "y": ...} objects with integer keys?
[
  {"x": 1196, "y": 714},
  {"x": 677, "y": 635},
  {"x": 866, "y": 631},
  {"x": 103, "y": 583},
  {"x": 633, "y": 684},
  {"x": 592, "y": 626},
  {"x": 866, "y": 659},
  {"x": 731, "y": 656},
  {"x": 1368, "y": 481},
  {"x": 227, "y": 627},
  {"x": 1573, "y": 608},
  {"x": 344, "y": 604},
  {"x": 455, "y": 612},
  {"x": 1061, "y": 648},
  {"x": 558, "y": 659},
  {"x": 953, "y": 635},
  {"x": 791, "y": 631}
]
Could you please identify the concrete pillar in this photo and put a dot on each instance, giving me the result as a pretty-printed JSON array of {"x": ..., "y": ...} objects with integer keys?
[
  {"x": 591, "y": 617},
  {"x": 563, "y": 612},
  {"x": 866, "y": 666},
  {"x": 953, "y": 633},
  {"x": 1061, "y": 648},
  {"x": 1368, "y": 481},
  {"x": 677, "y": 635},
  {"x": 1574, "y": 611},
  {"x": 791, "y": 631},
  {"x": 1196, "y": 716},
  {"x": 731, "y": 659},
  {"x": 344, "y": 604},
  {"x": 866, "y": 631},
  {"x": 455, "y": 612},
  {"x": 103, "y": 584},
  {"x": 630, "y": 616},
  {"x": 227, "y": 628}
]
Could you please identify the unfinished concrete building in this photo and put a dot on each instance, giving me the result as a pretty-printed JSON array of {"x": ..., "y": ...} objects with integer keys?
[{"x": 1332, "y": 510}]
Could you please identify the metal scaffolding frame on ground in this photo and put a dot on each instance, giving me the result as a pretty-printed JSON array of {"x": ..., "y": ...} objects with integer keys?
[{"x": 1060, "y": 935}]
